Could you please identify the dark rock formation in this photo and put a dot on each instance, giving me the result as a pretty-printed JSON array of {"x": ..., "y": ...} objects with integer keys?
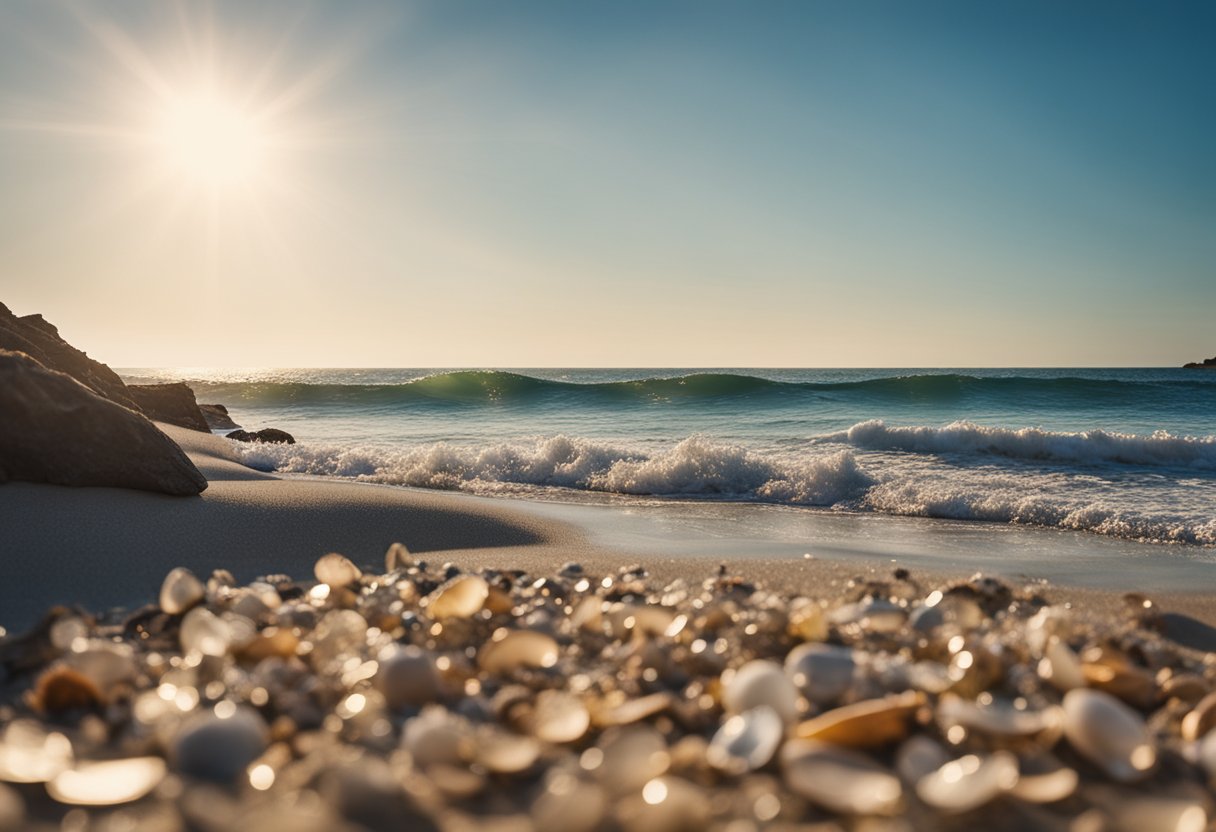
[
  {"x": 172, "y": 403},
  {"x": 1208, "y": 364},
  {"x": 32, "y": 335},
  {"x": 57, "y": 430},
  {"x": 217, "y": 417},
  {"x": 275, "y": 435}
]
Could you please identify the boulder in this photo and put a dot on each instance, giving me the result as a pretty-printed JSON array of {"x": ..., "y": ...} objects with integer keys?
[
  {"x": 1207, "y": 364},
  {"x": 57, "y": 430},
  {"x": 172, "y": 403},
  {"x": 274, "y": 435},
  {"x": 217, "y": 417},
  {"x": 34, "y": 336}
]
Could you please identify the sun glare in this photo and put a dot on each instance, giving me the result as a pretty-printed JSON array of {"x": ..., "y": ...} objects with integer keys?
[{"x": 209, "y": 141}]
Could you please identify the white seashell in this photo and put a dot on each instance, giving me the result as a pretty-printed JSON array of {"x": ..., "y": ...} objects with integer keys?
[
  {"x": 506, "y": 753},
  {"x": 180, "y": 591},
  {"x": 1060, "y": 666},
  {"x": 873, "y": 614},
  {"x": 918, "y": 757},
  {"x": 649, "y": 620},
  {"x": 407, "y": 676},
  {"x": 746, "y": 741},
  {"x": 218, "y": 748},
  {"x": 998, "y": 718},
  {"x": 631, "y": 757},
  {"x": 336, "y": 570},
  {"x": 1044, "y": 780},
  {"x": 461, "y": 597},
  {"x": 107, "y": 783},
  {"x": 437, "y": 737},
  {"x": 511, "y": 650},
  {"x": 559, "y": 717},
  {"x": 969, "y": 782},
  {"x": 1109, "y": 734},
  {"x": 30, "y": 754},
  {"x": 823, "y": 672},
  {"x": 839, "y": 779},
  {"x": 205, "y": 632},
  {"x": 396, "y": 557},
  {"x": 569, "y": 805},
  {"x": 761, "y": 682}
]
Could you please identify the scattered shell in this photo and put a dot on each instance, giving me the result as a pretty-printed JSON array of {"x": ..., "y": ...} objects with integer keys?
[
  {"x": 336, "y": 570},
  {"x": 839, "y": 779},
  {"x": 746, "y": 741},
  {"x": 969, "y": 782},
  {"x": 214, "y": 747},
  {"x": 823, "y": 672},
  {"x": 1108, "y": 733},
  {"x": 407, "y": 676},
  {"x": 107, "y": 783},
  {"x": 180, "y": 591},
  {"x": 629, "y": 711},
  {"x": 559, "y": 717},
  {"x": 512, "y": 650},
  {"x": 204, "y": 631},
  {"x": 998, "y": 717},
  {"x": 1060, "y": 666},
  {"x": 461, "y": 597},
  {"x": 61, "y": 688},
  {"x": 867, "y": 724},
  {"x": 758, "y": 683}
]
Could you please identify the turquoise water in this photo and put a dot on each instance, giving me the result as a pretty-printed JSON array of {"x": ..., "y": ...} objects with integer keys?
[{"x": 1128, "y": 453}]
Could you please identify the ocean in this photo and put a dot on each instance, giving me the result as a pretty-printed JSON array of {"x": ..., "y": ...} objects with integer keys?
[{"x": 1123, "y": 453}]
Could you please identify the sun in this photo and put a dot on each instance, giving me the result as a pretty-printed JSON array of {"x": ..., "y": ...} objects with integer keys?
[{"x": 208, "y": 141}]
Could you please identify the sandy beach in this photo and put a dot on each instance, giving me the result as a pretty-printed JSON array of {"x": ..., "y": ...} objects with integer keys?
[{"x": 105, "y": 548}]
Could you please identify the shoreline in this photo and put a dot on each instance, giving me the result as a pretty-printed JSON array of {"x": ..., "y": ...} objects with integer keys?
[{"x": 119, "y": 544}]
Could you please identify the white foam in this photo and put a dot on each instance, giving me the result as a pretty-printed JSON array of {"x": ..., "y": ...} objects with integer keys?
[{"x": 1088, "y": 447}]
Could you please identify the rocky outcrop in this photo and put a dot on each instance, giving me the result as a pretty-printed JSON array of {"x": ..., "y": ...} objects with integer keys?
[
  {"x": 274, "y": 435},
  {"x": 34, "y": 336},
  {"x": 58, "y": 430},
  {"x": 1206, "y": 364},
  {"x": 217, "y": 417},
  {"x": 172, "y": 403}
]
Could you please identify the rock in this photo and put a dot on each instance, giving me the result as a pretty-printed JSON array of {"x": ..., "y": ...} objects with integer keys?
[
  {"x": 217, "y": 417},
  {"x": 407, "y": 676},
  {"x": 218, "y": 747},
  {"x": 274, "y": 435},
  {"x": 1206, "y": 364},
  {"x": 172, "y": 403},
  {"x": 56, "y": 430},
  {"x": 34, "y": 336}
]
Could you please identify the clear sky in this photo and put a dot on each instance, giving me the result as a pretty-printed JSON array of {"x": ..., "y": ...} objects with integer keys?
[{"x": 625, "y": 184}]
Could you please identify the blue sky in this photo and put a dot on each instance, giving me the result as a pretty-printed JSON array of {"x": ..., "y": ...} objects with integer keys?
[{"x": 699, "y": 184}]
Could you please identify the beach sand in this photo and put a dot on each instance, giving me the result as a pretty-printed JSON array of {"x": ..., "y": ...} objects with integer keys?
[{"x": 103, "y": 548}]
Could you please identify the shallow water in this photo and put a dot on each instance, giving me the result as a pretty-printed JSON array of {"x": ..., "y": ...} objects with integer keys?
[{"x": 1125, "y": 453}]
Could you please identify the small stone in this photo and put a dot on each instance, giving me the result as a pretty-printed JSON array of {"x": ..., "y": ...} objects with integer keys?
[
  {"x": 512, "y": 650},
  {"x": 822, "y": 672},
  {"x": 746, "y": 741},
  {"x": 758, "y": 683},
  {"x": 969, "y": 782},
  {"x": 407, "y": 676},
  {"x": 336, "y": 570},
  {"x": 205, "y": 632},
  {"x": 218, "y": 748},
  {"x": 461, "y": 597},
  {"x": 180, "y": 591},
  {"x": 559, "y": 717},
  {"x": 1110, "y": 734}
]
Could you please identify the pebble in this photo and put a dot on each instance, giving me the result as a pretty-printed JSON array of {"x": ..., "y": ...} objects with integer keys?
[
  {"x": 336, "y": 571},
  {"x": 180, "y": 591},
  {"x": 1109, "y": 733},
  {"x": 407, "y": 676},
  {"x": 761, "y": 683},
  {"x": 218, "y": 746}
]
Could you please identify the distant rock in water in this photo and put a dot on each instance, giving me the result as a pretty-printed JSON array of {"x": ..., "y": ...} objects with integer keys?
[
  {"x": 1207, "y": 364},
  {"x": 172, "y": 403},
  {"x": 217, "y": 417},
  {"x": 34, "y": 336},
  {"x": 57, "y": 430},
  {"x": 274, "y": 435}
]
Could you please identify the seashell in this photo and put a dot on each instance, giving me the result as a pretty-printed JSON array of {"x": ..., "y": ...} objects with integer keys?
[
  {"x": 461, "y": 597},
  {"x": 60, "y": 689},
  {"x": 1112, "y": 673},
  {"x": 823, "y": 672},
  {"x": 588, "y": 614},
  {"x": 30, "y": 754},
  {"x": 180, "y": 591},
  {"x": 1043, "y": 779},
  {"x": 1201, "y": 719},
  {"x": 875, "y": 615},
  {"x": 107, "y": 783},
  {"x": 218, "y": 748},
  {"x": 1189, "y": 687},
  {"x": 998, "y": 718},
  {"x": 969, "y": 782},
  {"x": 569, "y": 805},
  {"x": 437, "y": 737},
  {"x": 505, "y": 753},
  {"x": 630, "y": 757},
  {"x": 625, "y": 620},
  {"x": 1060, "y": 666},
  {"x": 559, "y": 717},
  {"x": 397, "y": 557},
  {"x": 511, "y": 650},
  {"x": 746, "y": 741},
  {"x": 407, "y": 676},
  {"x": 632, "y": 710},
  {"x": 761, "y": 682},
  {"x": 839, "y": 779},
  {"x": 867, "y": 724},
  {"x": 336, "y": 570},
  {"x": 1109, "y": 734},
  {"x": 919, "y": 756},
  {"x": 666, "y": 804},
  {"x": 204, "y": 631}
]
